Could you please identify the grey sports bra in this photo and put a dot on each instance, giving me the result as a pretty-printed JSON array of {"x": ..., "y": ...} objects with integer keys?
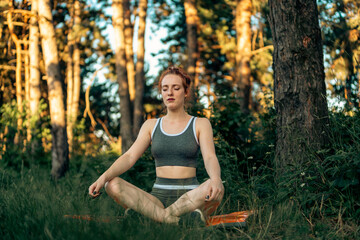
[{"x": 181, "y": 149}]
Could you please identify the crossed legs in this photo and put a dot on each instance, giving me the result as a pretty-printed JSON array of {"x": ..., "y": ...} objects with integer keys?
[{"x": 129, "y": 196}]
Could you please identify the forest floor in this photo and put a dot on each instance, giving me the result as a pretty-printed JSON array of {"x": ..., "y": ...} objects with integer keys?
[{"x": 32, "y": 206}]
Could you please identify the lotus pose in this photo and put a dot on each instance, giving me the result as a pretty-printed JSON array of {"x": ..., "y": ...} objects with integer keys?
[{"x": 175, "y": 141}]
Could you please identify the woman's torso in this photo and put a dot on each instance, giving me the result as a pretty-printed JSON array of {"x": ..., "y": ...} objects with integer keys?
[{"x": 175, "y": 148}]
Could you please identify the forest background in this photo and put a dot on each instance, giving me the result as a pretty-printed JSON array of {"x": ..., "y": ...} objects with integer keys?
[{"x": 74, "y": 95}]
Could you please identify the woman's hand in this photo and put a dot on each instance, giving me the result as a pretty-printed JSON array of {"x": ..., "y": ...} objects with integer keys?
[
  {"x": 94, "y": 189},
  {"x": 215, "y": 190}
]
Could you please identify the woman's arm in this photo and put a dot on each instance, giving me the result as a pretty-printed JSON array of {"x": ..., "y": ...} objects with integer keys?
[
  {"x": 127, "y": 160},
  {"x": 216, "y": 188}
]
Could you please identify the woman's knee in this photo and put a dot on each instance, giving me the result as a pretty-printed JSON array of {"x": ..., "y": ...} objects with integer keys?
[{"x": 113, "y": 186}]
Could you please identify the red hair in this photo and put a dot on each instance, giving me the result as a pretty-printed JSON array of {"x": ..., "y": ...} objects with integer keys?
[{"x": 178, "y": 72}]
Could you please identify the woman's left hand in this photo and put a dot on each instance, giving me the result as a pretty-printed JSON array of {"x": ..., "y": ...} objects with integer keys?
[{"x": 215, "y": 191}]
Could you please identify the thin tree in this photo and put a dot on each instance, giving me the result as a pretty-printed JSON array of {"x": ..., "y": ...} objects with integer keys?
[
  {"x": 70, "y": 78},
  {"x": 77, "y": 70},
  {"x": 300, "y": 98},
  {"x": 60, "y": 157},
  {"x": 121, "y": 74},
  {"x": 73, "y": 71},
  {"x": 243, "y": 52},
  {"x": 19, "y": 91},
  {"x": 191, "y": 14},
  {"x": 139, "y": 70},
  {"x": 128, "y": 32}
]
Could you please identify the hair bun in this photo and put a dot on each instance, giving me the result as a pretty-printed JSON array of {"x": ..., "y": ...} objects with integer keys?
[{"x": 179, "y": 72}]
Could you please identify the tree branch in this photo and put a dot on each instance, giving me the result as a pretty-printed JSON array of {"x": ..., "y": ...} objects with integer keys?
[
  {"x": 106, "y": 130},
  {"x": 87, "y": 93},
  {"x": 8, "y": 68},
  {"x": 262, "y": 49},
  {"x": 22, "y": 11}
]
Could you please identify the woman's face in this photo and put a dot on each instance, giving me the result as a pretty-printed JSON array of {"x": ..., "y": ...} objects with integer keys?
[{"x": 173, "y": 91}]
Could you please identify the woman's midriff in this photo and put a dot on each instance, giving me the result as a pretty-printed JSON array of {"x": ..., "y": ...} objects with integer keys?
[{"x": 175, "y": 172}]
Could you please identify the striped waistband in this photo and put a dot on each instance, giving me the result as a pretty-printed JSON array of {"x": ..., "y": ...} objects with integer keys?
[{"x": 176, "y": 184}]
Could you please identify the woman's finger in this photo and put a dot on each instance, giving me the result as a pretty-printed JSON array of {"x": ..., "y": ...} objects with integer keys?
[
  {"x": 91, "y": 189},
  {"x": 213, "y": 194},
  {"x": 209, "y": 194}
]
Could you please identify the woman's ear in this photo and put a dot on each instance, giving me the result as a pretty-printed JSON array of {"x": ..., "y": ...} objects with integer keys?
[{"x": 186, "y": 92}]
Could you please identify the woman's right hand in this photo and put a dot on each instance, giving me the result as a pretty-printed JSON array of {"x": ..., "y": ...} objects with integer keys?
[{"x": 94, "y": 189}]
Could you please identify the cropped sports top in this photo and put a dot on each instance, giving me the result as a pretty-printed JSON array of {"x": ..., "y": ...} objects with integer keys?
[{"x": 181, "y": 149}]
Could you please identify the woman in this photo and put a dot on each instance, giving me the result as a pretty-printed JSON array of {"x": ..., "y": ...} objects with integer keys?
[{"x": 175, "y": 141}]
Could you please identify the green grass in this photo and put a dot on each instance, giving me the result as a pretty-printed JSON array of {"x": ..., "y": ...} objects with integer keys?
[{"x": 32, "y": 206}]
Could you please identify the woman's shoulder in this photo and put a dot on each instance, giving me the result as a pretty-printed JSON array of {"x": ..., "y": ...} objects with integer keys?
[
  {"x": 203, "y": 120},
  {"x": 150, "y": 123},
  {"x": 203, "y": 123}
]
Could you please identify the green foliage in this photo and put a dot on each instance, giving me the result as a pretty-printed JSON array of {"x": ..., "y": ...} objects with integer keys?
[
  {"x": 340, "y": 27},
  {"x": 327, "y": 185},
  {"x": 22, "y": 155}
]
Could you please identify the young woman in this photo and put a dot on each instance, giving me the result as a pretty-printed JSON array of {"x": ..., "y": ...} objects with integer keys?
[{"x": 175, "y": 142}]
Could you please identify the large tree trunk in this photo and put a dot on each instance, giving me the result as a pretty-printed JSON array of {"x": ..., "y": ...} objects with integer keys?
[
  {"x": 243, "y": 52},
  {"x": 125, "y": 120},
  {"x": 300, "y": 98},
  {"x": 128, "y": 31},
  {"x": 140, "y": 75},
  {"x": 191, "y": 37},
  {"x": 60, "y": 158}
]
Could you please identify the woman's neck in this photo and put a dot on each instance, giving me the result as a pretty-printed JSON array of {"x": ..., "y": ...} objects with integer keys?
[{"x": 177, "y": 114}]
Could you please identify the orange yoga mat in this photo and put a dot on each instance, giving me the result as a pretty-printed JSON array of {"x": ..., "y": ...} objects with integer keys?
[
  {"x": 217, "y": 220},
  {"x": 227, "y": 219}
]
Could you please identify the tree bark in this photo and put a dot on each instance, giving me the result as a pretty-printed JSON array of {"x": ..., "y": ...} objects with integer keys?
[
  {"x": 243, "y": 52},
  {"x": 300, "y": 98},
  {"x": 121, "y": 72},
  {"x": 140, "y": 74},
  {"x": 60, "y": 157},
  {"x": 191, "y": 37},
  {"x": 128, "y": 31}
]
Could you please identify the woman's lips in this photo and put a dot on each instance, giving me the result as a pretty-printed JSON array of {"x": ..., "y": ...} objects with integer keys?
[{"x": 170, "y": 99}]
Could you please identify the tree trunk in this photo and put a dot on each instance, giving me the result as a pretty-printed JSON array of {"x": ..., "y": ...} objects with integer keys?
[
  {"x": 140, "y": 75},
  {"x": 128, "y": 31},
  {"x": 27, "y": 92},
  {"x": 300, "y": 98},
  {"x": 125, "y": 120},
  {"x": 191, "y": 37},
  {"x": 19, "y": 94},
  {"x": 70, "y": 79},
  {"x": 73, "y": 72},
  {"x": 243, "y": 52},
  {"x": 70, "y": 89},
  {"x": 77, "y": 70},
  {"x": 60, "y": 158}
]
